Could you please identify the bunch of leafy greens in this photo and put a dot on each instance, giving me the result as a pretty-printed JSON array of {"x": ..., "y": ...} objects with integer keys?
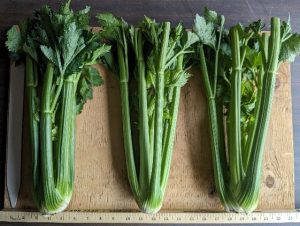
[
  {"x": 239, "y": 68},
  {"x": 151, "y": 62},
  {"x": 59, "y": 50}
]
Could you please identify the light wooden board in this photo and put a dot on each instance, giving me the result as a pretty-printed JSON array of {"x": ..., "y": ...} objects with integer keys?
[{"x": 101, "y": 178}]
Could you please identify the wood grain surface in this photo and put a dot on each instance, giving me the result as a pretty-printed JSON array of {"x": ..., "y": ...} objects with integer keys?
[
  {"x": 13, "y": 11},
  {"x": 101, "y": 178}
]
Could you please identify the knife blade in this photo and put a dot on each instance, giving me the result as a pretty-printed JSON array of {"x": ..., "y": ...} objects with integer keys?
[{"x": 14, "y": 132}]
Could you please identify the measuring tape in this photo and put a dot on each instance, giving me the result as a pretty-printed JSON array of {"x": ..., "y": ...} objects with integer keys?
[{"x": 163, "y": 217}]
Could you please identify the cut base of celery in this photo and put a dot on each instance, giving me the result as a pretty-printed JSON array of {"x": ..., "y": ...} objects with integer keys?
[{"x": 60, "y": 208}]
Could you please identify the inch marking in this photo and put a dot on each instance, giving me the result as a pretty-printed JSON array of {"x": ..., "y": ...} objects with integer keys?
[{"x": 135, "y": 217}]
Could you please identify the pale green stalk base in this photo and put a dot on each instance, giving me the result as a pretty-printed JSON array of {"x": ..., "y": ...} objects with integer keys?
[
  {"x": 151, "y": 207},
  {"x": 59, "y": 208}
]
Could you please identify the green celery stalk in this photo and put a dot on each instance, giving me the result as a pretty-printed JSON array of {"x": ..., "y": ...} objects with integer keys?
[
  {"x": 145, "y": 153},
  {"x": 155, "y": 199},
  {"x": 51, "y": 197},
  {"x": 217, "y": 151},
  {"x": 66, "y": 139},
  {"x": 130, "y": 163},
  {"x": 235, "y": 155},
  {"x": 170, "y": 136},
  {"x": 31, "y": 95}
]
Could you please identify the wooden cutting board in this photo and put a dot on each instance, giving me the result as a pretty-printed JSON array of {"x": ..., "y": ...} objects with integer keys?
[{"x": 101, "y": 177}]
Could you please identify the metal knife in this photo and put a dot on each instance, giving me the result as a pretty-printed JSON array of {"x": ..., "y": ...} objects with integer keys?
[{"x": 14, "y": 132}]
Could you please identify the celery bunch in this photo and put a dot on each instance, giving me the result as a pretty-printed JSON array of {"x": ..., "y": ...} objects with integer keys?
[
  {"x": 239, "y": 68},
  {"x": 151, "y": 63},
  {"x": 58, "y": 49}
]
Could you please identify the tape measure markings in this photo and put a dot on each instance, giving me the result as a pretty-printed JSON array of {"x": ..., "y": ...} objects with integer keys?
[{"x": 163, "y": 217}]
